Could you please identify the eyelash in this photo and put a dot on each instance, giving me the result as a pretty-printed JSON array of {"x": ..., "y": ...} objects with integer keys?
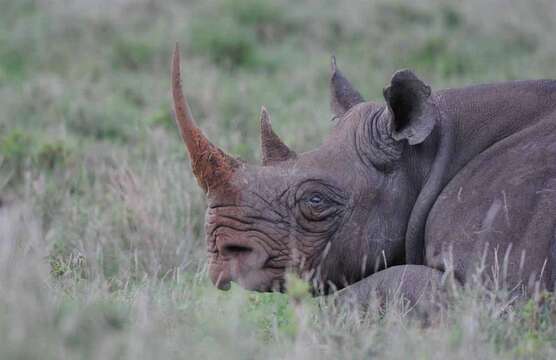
[
  {"x": 319, "y": 203},
  {"x": 319, "y": 200},
  {"x": 317, "y": 211}
]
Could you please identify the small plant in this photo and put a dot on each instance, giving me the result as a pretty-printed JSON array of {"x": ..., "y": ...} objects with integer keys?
[
  {"x": 132, "y": 53},
  {"x": 400, "y": 13},
  {"x": 267, "y": 18},
  {"x": 225, "y": 43},
  {"x": 113, "y": 120},
  {"x": 16, "y": 148},
  {"x": 163, "y": 118},
  {"x": 297, "y": 288},
  {"x": 16, "y": 145},
  {"x": 53, "y": 154}
]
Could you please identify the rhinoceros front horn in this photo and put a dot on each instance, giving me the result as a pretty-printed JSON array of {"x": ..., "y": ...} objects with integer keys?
[
  {"x": 211, "y": 166},
  {"x": 272, "y": 148}
]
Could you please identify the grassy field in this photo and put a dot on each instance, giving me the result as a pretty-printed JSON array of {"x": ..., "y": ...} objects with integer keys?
[{"x": 101, "y": 239}]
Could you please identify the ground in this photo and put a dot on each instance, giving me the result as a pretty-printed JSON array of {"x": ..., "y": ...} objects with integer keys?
[{"x": 101, "y": 241}]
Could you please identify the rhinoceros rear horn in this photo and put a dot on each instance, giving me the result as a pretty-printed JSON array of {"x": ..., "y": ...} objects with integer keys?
[
  {"x": 211, "y": 166},
  {"x": 272, "y": 148}
]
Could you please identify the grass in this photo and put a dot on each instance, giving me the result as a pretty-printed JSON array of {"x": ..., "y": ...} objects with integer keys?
[{"x": 101, "y": 222}]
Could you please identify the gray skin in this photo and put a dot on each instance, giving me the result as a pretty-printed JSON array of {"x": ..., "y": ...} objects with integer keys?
[{"x": 398, "y": 194}]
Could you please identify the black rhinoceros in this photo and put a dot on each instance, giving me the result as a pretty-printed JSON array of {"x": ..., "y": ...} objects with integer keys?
[{"x": 426, "y": 182}]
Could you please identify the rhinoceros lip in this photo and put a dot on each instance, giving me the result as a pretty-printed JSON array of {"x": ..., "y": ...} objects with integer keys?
[
  {"x": 223, "y": 284},
  {"x": 264, "y": 279},
  {"x": 277, "y": 285}
]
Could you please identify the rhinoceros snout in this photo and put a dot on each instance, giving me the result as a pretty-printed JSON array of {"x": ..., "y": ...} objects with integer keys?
[{"x": 237, "y": 260}]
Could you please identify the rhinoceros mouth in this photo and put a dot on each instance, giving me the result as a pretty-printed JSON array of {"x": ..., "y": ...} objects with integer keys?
[{"x": 223, "y": 272}]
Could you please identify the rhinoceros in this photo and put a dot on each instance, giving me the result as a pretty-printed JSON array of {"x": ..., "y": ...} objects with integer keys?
[{"x": 426, "y": 183}]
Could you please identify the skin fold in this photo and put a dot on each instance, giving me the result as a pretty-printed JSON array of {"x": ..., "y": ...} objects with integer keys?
[{"x": 399, "y": 194}]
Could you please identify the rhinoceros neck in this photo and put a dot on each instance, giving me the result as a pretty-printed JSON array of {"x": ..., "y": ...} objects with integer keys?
[
  {"x": 469, "y": 121},
  {"x": 486, "y": 114},
  {"x": 431, "y": 172}
]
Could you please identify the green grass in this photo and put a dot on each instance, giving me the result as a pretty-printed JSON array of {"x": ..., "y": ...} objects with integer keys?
[{"x": 101, "y": 222}]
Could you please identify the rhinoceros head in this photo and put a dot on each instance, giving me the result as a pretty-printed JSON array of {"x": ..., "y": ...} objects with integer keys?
[{"x": 334, "y": 214}]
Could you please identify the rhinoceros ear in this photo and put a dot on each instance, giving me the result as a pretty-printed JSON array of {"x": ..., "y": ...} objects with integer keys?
[
  {"x": 343, "y": 96},
  {"x": 411, "y": 108}
]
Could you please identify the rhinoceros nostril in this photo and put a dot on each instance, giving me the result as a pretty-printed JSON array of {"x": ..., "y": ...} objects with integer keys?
[{"x": 235, "y": 250}]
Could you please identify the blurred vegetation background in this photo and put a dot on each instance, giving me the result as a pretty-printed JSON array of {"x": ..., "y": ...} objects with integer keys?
[{"x": 101, "y": 242}]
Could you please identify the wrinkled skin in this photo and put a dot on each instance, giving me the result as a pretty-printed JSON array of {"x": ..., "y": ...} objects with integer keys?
[
  {"x": 301, "y": 214},
  {"x": 423, "y": 183}
]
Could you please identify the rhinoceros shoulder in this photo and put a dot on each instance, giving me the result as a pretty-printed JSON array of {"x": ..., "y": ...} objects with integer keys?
[{"x": 503, "y": 200}]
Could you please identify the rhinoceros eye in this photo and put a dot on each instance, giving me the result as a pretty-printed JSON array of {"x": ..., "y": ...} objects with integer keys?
[
  {"x": 315, "y": 200},
  {"x": 317, "y": 206},
  {"x": 318, "y": 201}
]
